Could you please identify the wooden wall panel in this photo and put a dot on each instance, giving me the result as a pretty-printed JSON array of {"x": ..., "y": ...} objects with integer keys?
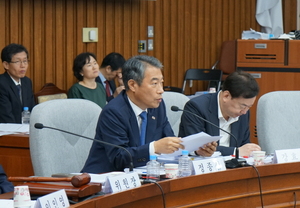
[
  {"x": 289, "y": 9},
  {"x": 3, "y": 22},
  {"x": 187, "y": 33}
]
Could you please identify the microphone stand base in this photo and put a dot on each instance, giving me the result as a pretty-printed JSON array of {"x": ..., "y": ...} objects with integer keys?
[{"x": 235, "y": 163}]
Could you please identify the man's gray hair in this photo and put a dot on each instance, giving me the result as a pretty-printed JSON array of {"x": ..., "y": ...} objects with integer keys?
[{"x": 134, "y": 68}]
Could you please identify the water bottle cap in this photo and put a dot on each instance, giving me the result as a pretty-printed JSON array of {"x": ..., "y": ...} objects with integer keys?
[
  {"x": 185, "y": 152},
  {"x": 26, "y": 108},
  {"x": 152, "y": 157}
]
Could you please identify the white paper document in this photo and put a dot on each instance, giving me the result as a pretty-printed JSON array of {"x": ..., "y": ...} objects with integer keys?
[
  {"x": 9, "y": 203},
  {"x": 194, "y": 141},
  {"x": 10, "y": 128}
]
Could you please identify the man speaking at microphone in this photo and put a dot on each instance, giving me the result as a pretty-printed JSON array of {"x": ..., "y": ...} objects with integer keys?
[
  {"x": 227, "y": 109},
  {"x": 135, "y": 120}
]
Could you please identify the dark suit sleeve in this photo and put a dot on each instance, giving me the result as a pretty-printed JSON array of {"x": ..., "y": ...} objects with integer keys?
[
  {"x": 6, "y": 112},
  {"x": 191, "y": 124},
  {"x": 109, "y": 98},
  {"x": 112, "y": 85},
  {"x": 226, "y": 150},
  {"x": 5, "y": 185}
]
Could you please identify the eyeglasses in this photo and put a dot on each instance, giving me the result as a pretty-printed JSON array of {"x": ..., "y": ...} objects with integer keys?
[
  {"x": 25, "y": 62},
  {"x": 244, "y": 106}
]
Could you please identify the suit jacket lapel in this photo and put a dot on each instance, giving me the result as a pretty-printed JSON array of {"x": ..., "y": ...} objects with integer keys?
[
  {"x": 13, "y": 87},
  {"x": 213, "y": 116},
  {"x": 133, "y": 123}
]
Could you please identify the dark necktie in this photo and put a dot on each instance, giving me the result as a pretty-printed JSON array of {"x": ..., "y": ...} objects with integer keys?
[
  {"x": 19, "y": 91},
  {"x": 107, "y": 88},
  {"x": 143, "y": 116}
]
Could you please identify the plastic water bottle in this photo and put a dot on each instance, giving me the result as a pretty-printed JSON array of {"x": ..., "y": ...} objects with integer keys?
[
  {"x": 185, "y": 165},
  {"x": 153, "y": 169},
  {"x": 25, "y": 116}
]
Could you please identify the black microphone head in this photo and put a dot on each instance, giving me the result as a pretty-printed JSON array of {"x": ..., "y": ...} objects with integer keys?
[
  {"x": 38, "y": 125},
  {"x": 174, "y": 108}
]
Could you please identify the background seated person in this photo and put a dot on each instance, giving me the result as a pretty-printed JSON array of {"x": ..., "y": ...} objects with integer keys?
[
  {"x": 227, "y": 109},
  {"x": 5, "y": 185},
  {"x": 111, "y": 69},
  {"x": 120, "y": 122},
  {"x": 15, "y": 88},
  {"x": 86, "y": 69}
]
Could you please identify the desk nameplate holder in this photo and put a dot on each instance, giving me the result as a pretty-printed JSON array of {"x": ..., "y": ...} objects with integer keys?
[
  {"x": 122, "y": 182},
  {"x": 56, "y": 199},
  {"x": 208, "y": 165},
  {"x": 286, "y": 156}
]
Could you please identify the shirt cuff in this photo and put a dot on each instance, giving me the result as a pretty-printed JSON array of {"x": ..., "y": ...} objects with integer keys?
[
  {"x": 193, "y": 153},
  {"x": 151, "y": 149}
]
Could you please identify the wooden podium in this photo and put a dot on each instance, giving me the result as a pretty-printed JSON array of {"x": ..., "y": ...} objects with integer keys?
[
  {"x": 274, "y": 63},
  {"x": 231, "y": 188}
]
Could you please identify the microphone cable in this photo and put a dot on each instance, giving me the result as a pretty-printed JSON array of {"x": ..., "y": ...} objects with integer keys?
[
  {"x": 259, "y": 184},
  {"x": 162, "y": 191}
]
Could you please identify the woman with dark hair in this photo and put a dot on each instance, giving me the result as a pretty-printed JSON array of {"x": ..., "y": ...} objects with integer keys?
[{"x": 86, "y": 69}]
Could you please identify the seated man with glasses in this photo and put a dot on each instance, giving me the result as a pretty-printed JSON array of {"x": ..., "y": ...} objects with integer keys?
[
  {"x": 227, "y": 109},
  {"x": 15, "y": 88}
]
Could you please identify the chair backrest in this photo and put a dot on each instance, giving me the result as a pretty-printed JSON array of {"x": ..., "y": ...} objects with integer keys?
[
  {"x": 173, "y": 89},
  {"x": 57, "y": 152},
  {"x": 278, "y": 120},
  {"x": 179, "y": 100},
  {"x": 227, "y": 62},
  {"x": 203, "y": 75},
  {"x": 49, "y": 92}
]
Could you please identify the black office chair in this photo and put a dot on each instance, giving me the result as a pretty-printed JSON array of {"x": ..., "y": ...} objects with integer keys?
[
  {"x": 213, "y": 76},
  {"x": 173, "y": 89},
  {"x": 227, "y": 59}
]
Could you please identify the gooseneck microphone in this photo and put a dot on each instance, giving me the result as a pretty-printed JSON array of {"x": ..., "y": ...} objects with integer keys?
[
  {"x": 41, "y": 126},
  {"x": 233, "y": 163}
]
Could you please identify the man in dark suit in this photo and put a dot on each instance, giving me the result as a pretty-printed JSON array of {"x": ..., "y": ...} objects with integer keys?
[
  {"x": 5, "y": 185},
  {"x": 15, "y": 88},
  {"x": 120, "y": 121},
  {"x": 111, "y": 69},
  {"x": 227, "y": 109}
]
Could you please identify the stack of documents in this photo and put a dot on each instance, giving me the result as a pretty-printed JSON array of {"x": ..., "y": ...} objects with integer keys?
[{"x": 8, "y": 128}]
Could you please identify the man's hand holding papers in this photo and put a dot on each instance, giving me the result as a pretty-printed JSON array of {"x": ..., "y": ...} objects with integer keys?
[{"x": 199, "y": 142}]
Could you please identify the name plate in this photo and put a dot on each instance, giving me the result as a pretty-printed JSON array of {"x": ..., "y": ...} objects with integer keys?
[
  {"x": 208, "y": 165},
  {"x": 56, "y": 199},
  {"x": 122, "y": 182},
  {"x": 286, "y": 156}
]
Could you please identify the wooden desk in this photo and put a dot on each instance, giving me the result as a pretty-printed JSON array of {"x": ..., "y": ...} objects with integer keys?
[
  {"x": 15, "y": 155},
  {"x": 230, "y": 188}
]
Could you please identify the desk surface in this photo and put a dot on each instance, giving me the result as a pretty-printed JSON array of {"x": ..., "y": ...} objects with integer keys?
[
  {"x": 15, "y": 155},
  {"x": 230, "y": 188}
]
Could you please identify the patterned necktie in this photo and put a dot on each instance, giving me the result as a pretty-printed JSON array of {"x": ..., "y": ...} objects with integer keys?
[
  {"x": 19, "y": 91},
  {"x": 143, "y": 116},
  {"x": 107, "y": 88}
]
